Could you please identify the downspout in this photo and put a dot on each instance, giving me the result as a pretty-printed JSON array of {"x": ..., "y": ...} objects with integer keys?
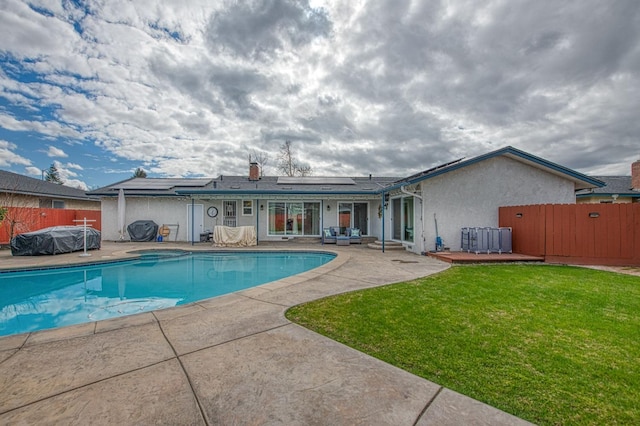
[
  {"x": 322, "y": 221},
  {"x": 193, "y": 216},
  {"x": 404, "y": 191},
  {"x": 257, "y": 221}
]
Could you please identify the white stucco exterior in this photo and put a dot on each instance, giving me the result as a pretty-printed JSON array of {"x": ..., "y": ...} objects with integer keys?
[
  {"x": 174, "y": 211},
  {"x": 161, "y": 210},
  {"x": 471, "y": 196}
]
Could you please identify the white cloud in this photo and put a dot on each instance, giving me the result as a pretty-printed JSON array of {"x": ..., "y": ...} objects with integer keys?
[
  {"x": 33, "y": 171},
  {"x": 8, "y": 157},
  {"x": 55, "y": 152},
  {"x": 192, "y": 88}
]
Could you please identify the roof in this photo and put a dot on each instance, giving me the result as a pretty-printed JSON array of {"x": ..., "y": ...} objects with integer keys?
[
  {"x": 24, "y": 185},
  {"x": 241, "y": 185},
  {"x": 614, "y": 185},
  {"x": 323, "y": 186},
  {"x": 580, "y": 180}
]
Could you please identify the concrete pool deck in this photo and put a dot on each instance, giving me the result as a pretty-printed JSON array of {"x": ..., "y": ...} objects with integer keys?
[{"x": 232, "y": 359}]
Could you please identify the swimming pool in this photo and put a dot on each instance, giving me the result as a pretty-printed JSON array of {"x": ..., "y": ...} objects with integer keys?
[{"x": 55, "y": 297}]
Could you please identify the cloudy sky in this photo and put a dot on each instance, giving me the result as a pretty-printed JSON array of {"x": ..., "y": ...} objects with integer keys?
[{"x": 389, "y": 87}]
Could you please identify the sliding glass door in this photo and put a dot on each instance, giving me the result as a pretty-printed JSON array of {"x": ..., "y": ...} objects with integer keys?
[
  {"x": 302, "y": 219},
  {"x": 402, "y": 219},
  {"x": 353, "y": 215}
]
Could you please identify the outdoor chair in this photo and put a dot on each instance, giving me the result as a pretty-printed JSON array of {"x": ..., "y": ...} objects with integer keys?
[
  {"x": 354, "y": 235},
  {"x": 329, "y": 236}
]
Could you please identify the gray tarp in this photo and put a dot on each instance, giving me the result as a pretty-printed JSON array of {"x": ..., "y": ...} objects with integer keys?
[
  {"x": 143, "y": 230},
  {"x": 54, "y": 240}
]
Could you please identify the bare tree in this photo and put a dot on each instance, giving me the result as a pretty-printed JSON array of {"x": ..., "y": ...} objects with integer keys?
[
  {"x": 19, "y": 214},
  {"x": 288, "y": 164},
  {"x": 305, "y": 170},
  {"x": 260, "y": 157}
]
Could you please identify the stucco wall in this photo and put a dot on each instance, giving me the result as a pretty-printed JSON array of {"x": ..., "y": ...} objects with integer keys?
[
  {"x": 81, "y": 205},
  {"x": 471, "y": 196},
  {"x": 19, "y": 200},
  {"x": 161, "y": 210},
  {"x": 174, "y": 211}
]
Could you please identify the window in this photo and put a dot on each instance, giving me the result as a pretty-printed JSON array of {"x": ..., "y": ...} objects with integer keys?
[
  {"x": 294, "y": 218},
  {"x": 47, "y": 203},
  {"x": 229, "y": 213},
  {"x": 247, "y": 208}
]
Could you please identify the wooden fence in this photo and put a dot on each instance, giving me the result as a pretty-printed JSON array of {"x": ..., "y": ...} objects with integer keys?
[
  {"x": 596, "y": 234},
  {"x": 27, "y": 219}
]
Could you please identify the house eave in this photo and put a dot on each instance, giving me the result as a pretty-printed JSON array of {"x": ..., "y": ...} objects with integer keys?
[{"x": 318, "y": 194}]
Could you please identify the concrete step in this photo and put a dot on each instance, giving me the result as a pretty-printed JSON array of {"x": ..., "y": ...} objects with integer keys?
[{"x": 388, "y": 245}]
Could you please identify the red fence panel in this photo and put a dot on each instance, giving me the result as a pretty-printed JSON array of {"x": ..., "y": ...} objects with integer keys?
[
  {"x": 19, "y": 220},
  {"x": 605, "y": 234},
  {"x": 527, "y": 223},
  {"x": 94, "y": 215}
]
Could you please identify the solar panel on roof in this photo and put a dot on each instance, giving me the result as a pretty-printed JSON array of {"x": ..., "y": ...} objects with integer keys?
[
  {"x": 314, "y": 180},
  {"x": 161, "y": 183},
  {"x": 433, "y": 169}
]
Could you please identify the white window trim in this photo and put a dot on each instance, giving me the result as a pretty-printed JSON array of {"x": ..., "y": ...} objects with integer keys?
[{"x": 249, "y": 207}]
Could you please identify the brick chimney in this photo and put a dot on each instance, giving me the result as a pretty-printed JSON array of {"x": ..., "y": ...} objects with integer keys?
[
  {"x": 254, "y": 171},
  {"x": 635, "y": 175}
]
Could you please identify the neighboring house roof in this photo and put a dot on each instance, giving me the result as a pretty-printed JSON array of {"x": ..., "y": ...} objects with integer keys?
[
  {"x": 580, "y": 180},
  {"x": 325, "y": 186},
  {"x": 614, "y": 185},
  {"x": 18, "y": 184}
]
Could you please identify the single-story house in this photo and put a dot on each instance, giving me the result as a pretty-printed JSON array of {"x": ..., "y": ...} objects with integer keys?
[
  {"x": 23, "y": 191},
  {"x": 617, "y": 189},
  {"x": 463, "y": 193}
]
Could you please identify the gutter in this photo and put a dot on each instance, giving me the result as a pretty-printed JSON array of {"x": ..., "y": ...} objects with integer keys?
[{"x": 270, "y": 192}]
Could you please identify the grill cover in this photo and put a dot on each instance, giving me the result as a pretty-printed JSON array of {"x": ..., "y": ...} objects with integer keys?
[{"x": 143, "y": 230}]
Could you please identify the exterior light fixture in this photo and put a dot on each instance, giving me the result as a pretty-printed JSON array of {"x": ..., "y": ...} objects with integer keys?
[
  {"x": 328, "y": 208},
  {"x": 594, "y": 214},
  {"x": 519, "y": 215},
  {"x": 261, "y": 207}
]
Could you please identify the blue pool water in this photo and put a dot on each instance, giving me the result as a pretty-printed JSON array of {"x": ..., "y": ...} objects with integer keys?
[{"x": 55, "y": 297}]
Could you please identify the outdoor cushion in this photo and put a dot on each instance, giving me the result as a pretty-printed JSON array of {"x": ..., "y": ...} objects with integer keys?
[
  {"x": 327, "y": 232},
  {"x": 354, "y": 235}
]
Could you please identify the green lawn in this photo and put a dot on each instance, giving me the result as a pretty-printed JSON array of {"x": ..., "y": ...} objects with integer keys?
[{"x": 550, "y": 344}]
